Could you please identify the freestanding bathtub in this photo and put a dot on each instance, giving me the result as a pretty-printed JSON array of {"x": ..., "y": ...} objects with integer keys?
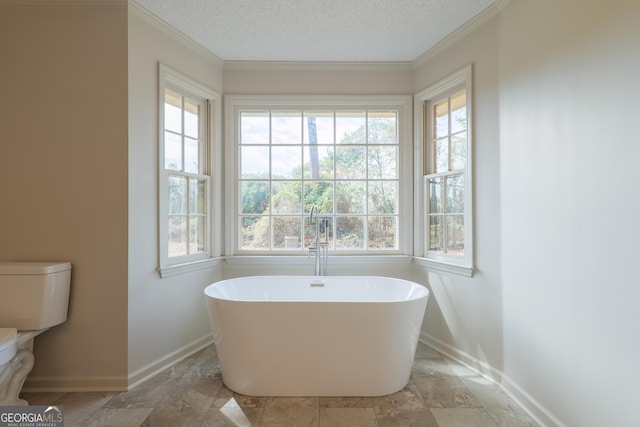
[{"x": 316, "y": 336}]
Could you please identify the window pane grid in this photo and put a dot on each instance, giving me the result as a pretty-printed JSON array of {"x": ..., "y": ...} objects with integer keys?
[
  {"x": 445, "y": 178},
  {"x": 185, "y": 165},
  {"x": 448, "y": 134},
  {"x": 278, "y": 183},
  {"x": 188, "y": 214},
  {"x": 184, "y": 145}
]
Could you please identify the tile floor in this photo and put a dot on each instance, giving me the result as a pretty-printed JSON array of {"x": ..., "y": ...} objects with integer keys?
[{"x": 440, "y": 393}]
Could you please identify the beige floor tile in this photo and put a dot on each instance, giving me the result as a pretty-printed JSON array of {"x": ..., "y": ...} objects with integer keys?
[
  {"x": 347, "y": 417},
  {"x": 288, "y": 402},
  {"x": 117, "y": 417},
  {"x": 423, "y": 351},
  {"x": 232, "y": 416},
  {"x": 186, "y": 404},
  {"x": 501, "y": 407},
  {"x": 78, "y": 407},
  {"x": 462, "y": 417},
  {"x": 407, "y": 399},
  {"x": 205, "y": 387},
  {"x": 459, "y": 370},
  {"x": 42, "y": 399},
  {"x": 291, "y": 412},
  {"x": 292, "y": 417},
  {"x": 226, "y": 398},
  {"x": 346, "y": 402},
  {"x": 146, "y": 395},
  {"x": 431, "y": 367},
  {"x": 445, "y": 392},
  {"x": 203, "y": 364},
  {"x": 419, "y": 418}
]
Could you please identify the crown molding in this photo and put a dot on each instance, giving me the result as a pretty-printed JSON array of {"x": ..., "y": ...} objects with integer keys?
[
  {"x": 141, "y": 12},
  {"x": 317, "y": 66},
  {"x": 501, "y": 4},
  {"x": 468, "y": 27}
]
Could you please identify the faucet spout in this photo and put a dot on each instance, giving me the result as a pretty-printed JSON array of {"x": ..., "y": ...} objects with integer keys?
[{"x": 319, "y": 249}]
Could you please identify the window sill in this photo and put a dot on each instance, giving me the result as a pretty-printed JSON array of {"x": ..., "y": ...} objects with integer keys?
[
  {"x": 187, "y": 267},
  {"x": 304, "y": 260},
  {"x": 443, "y": 267}
]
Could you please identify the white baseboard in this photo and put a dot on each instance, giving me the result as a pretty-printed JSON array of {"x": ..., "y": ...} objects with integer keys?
[
  {"x": 141, "y": 375},
  {"x": 487, "y": 371},
  {"x": 530, "y": 405},
  {"x": 116, "y": 382}
]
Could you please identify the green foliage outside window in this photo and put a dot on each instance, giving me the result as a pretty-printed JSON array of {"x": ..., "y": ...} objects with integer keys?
[{"x": 354, "y": 183}]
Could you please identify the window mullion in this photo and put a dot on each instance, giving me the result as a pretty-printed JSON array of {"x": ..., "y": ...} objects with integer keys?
[
  {"x": 449, "y": 133},
  {"x": 188, "y": 197},
  {"x": 182, "y": 134},
  {"x": 203, "y": 127},
  {"x": 270, "y": 182},
  {"x": 445, "y": 183},
  {"x": 445, "y": 212}
]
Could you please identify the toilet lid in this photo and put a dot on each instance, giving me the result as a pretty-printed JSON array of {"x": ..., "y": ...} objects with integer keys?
[{"x": 8, "y": 338}]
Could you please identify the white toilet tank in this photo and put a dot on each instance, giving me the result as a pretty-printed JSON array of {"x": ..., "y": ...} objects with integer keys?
[{"x": 34, "y": 295}]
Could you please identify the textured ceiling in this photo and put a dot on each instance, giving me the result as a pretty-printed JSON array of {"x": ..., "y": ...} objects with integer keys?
[{"x": 316, "y": 30}]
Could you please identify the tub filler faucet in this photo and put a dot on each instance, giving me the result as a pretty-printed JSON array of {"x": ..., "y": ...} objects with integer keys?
[{"x": 319, "y": 249}]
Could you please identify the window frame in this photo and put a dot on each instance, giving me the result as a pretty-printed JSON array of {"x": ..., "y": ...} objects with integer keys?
[
  {"x": 234, "y": 104},
  {"x": 436, "y": 261},
  {"x": 211, "y": 155}
]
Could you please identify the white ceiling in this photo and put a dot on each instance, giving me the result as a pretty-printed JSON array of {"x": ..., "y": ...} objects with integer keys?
[{"x": 317, "y": 30}]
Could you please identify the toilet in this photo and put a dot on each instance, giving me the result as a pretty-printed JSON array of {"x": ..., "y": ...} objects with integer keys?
[
  {"x": 34, "y": 296},
  {"x": 8, "y": 349}
]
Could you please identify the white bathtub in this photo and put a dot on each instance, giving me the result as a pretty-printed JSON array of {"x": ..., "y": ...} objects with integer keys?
[{"x": 292, "y": 336}]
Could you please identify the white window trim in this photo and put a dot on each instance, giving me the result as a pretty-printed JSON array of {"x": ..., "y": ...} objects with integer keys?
[
  {"x": 234, "y": 103},
  {"x": 168, "y": 77},
  {"x": 445, "y": 264},
  {"x": 350, "y": 260}
]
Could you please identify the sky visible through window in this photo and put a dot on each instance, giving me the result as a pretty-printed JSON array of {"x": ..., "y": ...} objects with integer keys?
[{"x": 289, "y": 128}]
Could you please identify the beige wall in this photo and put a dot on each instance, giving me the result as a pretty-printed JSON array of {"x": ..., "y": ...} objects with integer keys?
[
  {"x": 63, "y": 149},
  {"x": 570, "y": 206},
  {"x": 320, "y": 79},
  {"x": 167, "y": 317},
  {"x": 552, "y": 306}
]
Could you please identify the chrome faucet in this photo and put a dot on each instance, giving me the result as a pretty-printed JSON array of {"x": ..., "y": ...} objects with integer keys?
[{"x": 319, "y": 249}]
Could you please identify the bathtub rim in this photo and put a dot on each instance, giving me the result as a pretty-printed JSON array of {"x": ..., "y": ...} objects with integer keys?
[{"x": 421, "y": 291}]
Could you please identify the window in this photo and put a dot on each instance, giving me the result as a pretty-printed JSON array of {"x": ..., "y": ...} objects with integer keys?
[
  {"x": 185, "y": 170},
  {"x": 446, "y": 122},
  {"x": 343, "y": 156}
]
